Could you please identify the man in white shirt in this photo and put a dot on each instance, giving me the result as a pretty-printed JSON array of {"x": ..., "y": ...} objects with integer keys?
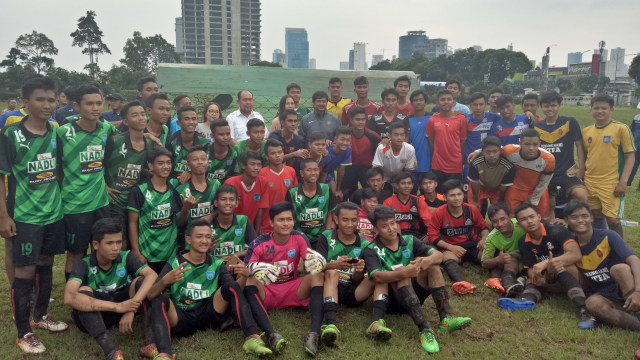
[
  {"x": 238, "y": 119},
  {"x": 398, "y": 155}
]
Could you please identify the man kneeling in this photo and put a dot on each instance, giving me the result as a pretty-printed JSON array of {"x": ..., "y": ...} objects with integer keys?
[{"x": 408, "y": 271}]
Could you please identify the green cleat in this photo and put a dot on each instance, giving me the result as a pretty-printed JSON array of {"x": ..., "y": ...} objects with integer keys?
[
  {"x": 379, "y": 331},
  {"x": 330, "y": 334},
  {"x": 277, "y": 343},
  {"x": 451, "y": 323},
  {"x": 311, "y": 341},
  {"x": 255, "y": 346},
  {"x": 428, "y": 341}
]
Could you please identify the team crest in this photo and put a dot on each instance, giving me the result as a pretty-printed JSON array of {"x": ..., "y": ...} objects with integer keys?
[
  {"x": 589, "y": 140},
  {"x": 121, "y": 272},
  {"x": 53, "y": 143},
  {"x": 549, "y": 245},
  {"x": 321, "y": 199},
  {"x": 606, "y": 139},
  {"x": 229, "y": 162},
  {"x": 560, "y": 132},
  {"x": 104, "y": 138},
  {"x": 599, "y": 253},
  {"x": 238, "y": 232},
  {"x": 413, "y": 209},
  {"x": 210, "y": 274},
  {"x": 499, "y": 127},
  {"x": 357, "y": 252},
  {"x": 291, "y": 253},
  {"x": 271, "y": 184},
  {"x": 256, "y": 197},
  {"x": 468, "y": 222},
  {"x": 287, "y": 182},
  {"x": 446, "y": 224},
  {"x": 406, "y": 253}
]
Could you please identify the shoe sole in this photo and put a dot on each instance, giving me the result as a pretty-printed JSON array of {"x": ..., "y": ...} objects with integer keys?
[
  {"x": 587, "y": 327},
  {"x": 511, "y": 304},
  {"x": 280, "y": 346},
  {"x": 514, "y": 290},
  {"x": 329, "y": 338},
  {"x": 309, "y": 352},
  {"x": 381, "y": 336}
]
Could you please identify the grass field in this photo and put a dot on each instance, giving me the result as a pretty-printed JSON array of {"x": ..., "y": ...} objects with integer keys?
[{"x": 549, "y": 332}]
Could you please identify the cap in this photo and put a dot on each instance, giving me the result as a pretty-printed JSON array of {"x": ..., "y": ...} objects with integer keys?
[{"x": 115, "y": 96}]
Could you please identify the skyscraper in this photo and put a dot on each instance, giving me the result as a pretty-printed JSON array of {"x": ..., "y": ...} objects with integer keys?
[
  {"x": 179, "y": 36},
  {"x": 312, "y": 63},
  {"x": 296, "y": 48},
  {"x": 437, "y": 47},
  {"x": 221, "y": 32},
  {"x": 412, "y": 42},
  {"x": 344, "y": 65},
  {"x": 375, "y": 59},
  {"x": 574, "y": 58},
  {"x": 279, "y": 57},
  {"x": 359, "y": 56}
]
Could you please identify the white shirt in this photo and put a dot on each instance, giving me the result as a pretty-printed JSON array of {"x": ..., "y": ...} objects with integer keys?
[
  {"x": 392, "y": 164},
  {"x": 238, "y": 124}
]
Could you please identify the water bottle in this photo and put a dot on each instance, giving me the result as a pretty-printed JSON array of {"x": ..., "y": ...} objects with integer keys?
[{"x": 629, "y": 223}]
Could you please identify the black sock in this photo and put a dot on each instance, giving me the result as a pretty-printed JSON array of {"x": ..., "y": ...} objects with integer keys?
[
  {"x": 380, "y": 307},
  {"x": 160, "y": 323},
  {"x": 67, "y": 275},
  {"x": 146, "y": 322},
  {"x": 508, "y": 279},
  {"x": 259, "y": 311},
  {"x": 572, "y": 287},
  {"x": 617, "y": 228},
  {"x": 316, "y": 308},
  {"x": 20, "y": 297},
  {"x": 628, "y": 321},
  {"x": 454, "y": 270},
  {"x": 330, "y": 310},
  {"x": 410, "y": 301},
  {"x": 441, "y": 299},
  {"x": 531, "y": 293},
  {"x": 93, "y": 322},
  {"x": 240, "y": 307},
  {"x": 44, "y": 283}
]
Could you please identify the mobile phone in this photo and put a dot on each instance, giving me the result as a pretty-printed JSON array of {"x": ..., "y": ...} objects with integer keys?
[{"x": 353, "y": 261}]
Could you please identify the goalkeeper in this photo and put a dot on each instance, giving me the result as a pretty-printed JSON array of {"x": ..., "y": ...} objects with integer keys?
[
  {"x": 273, "y": 261},
  {"x": 203, "y": 295}
]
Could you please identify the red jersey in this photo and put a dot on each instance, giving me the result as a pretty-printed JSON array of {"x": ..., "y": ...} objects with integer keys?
[
  {"x": 277, "y": 185},
  {"x": 458, "y": 230},
  {"x": 370, "y": 109},
  {"x": 251, "y": 199},
  {"x": 365, "y": 228},
  {"x": 447, "y": 135},
  {"x": 363, "y": 148},
  {"x": 414, "y": 216},
  {"x": 407, "y": 109},
  {"x": 286, "y": 257}
]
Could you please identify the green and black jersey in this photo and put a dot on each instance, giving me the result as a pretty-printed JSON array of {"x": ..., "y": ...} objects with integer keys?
[
  {"x": 241, "y": 146},
  {"x": 179, "y": 152},
  {"x": 205, "y": 204},
  {"x": 330, "y": 246},
  {"x": 163, "y": 135},
  {"x": 81, "y": 155},
  {"x": 157, "y": 226},
  {"x": 199, "y": 283},
  {"x": 378, "y": 257},
  {"x": 124, "y": 269},
  {"x": 233, "y": 239},
  {"x": 30, "y": 163},
  {"x": 311, "y": 213},
  {"x": 221, "y": 169},
  {"x": 123, "y": 165}
]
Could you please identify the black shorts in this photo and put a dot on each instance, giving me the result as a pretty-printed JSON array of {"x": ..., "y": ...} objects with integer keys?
[
  {"x": 199, "y": 318},
  {"x": 156, "y": 266},
  {"x": 565, "y": 182},
  {"x": 78, "y": 229},
  {"x": 31, "y": 241},
  {"x": 347, "y": 294},
  {"x": 471, "y": 255},
  {"x": 110, "y": 319},
  {"x": 443, "y": 176},
  {"x": 353, "y": 175},
  {"x": 396, "y": 307},
  {"x": 115, "y": 211}
]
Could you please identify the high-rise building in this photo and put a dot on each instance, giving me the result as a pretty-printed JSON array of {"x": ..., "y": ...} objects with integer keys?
[
  {"x": 179, "y": 36},
  {"x": 359, "y": 56},
  {"x": 375, "y": 59},
  {"x": 297, "y": 48},
  {"x": 616, "y": 67},
  {"x": 437, "y": 47},
  {"x": 312, "y": 63},
  {"x": 221, "y": 32},
  {"x": 344, "y": 65},
  {"x": 604, "y": 56},
  {"x": 279, "y": 57},
  {"x": 351, "y": 59},
  {"x": 412, "y": 42},
  {"x": 574, "y": 58}
]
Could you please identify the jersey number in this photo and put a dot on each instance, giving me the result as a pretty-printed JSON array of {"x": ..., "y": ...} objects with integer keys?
[{"x": 26, "y": 248}]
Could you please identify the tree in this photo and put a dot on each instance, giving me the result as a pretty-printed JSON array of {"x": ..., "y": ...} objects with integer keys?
[
  {"x": 590, "y": 82},
  {"x": 634, "y": 69},
  {"x": 64, "y": 77},
  {"x": 563, "y": 85},
  {"x": 265, "y": 63},
  {"x": 145, "y": 53},
  {"x": 502, "y": 64},
  {"x": 33, "y": 49},
  {"x": 11, "y": 80},
  {"x": 89, "y": 36}
]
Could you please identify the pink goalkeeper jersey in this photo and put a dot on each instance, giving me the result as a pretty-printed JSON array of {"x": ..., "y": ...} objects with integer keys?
[{"x": 286, "y": 257}]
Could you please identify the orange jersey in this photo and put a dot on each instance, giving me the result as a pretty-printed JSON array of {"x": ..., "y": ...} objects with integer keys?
[
  {"x": 532, "y": 176},
  {"x": 276, "y": 187}
]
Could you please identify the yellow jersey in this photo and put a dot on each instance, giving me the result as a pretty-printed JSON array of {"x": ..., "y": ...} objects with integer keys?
[
  {"x": 336, "y": 108},
  {"x": 605, "y": 147}
]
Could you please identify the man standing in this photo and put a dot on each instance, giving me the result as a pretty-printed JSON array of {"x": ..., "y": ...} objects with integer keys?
[
  {"x": 380, "y": 122},
  {"x": 295, "y": 92},
  {"x": 454, "y": 88},
  {"x": 12, "y": 105},
  {"x": 361, "y": 88},
  {"x": 178, "y": 102},
  {"x": 238, "y": 119},
  {"x": 278, "y": 177},
  {"x": 417, "y": 125},
  {"x": 158, "y": 111},
  {"x": 116, "y": 101},
  {"x": 320, "y": 119},
  {"x": 509, "y": 128},
  {"x": 146, "y": 87},
  {"x": 180, "y": 142},
  {"x": 402, "y": 86},
  {"x": 254, "y": 198},
  {"x": 364, "y": 143},
  {"x": 336, "y": 102}
]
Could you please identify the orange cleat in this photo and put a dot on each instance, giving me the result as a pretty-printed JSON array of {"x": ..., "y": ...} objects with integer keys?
[
  {"x": 463, "y": 287},
  {"x": 495, "y": 284}
]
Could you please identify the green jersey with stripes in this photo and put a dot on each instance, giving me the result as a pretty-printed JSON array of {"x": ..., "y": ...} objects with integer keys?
[
  {"x": 221, "y": 169},
  {"x": 30, "y": 163},
  {"x": 311, "y": 213},
  {"x": 163, "y": 135},
  {"x": 123, "y": 165},
  {"x": 241, "y": 146},
  {"x": 199, "y": 283},
  {"x": 330, "y": 246},
  {"x": 179, "y": 152},
  {"x": 157, "y": 226},
  {"x": 81, "y": 154},
  {"x": 120, "y": 275},
  {"x": 204, "y": 206},
  {"x": 233, "y": 239},
  {"x": 378, "y": 257}
]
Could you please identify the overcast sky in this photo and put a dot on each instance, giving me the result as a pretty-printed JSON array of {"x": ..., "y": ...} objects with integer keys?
[{"x": 334, "y": 25}]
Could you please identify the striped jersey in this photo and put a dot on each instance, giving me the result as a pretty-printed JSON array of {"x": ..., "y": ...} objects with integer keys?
[
  {"x": 221, "y": 169},
  {"x": 123, "y": 270},
  {"x": 204, "y": 206},
  {"x": 378, "y": 257},
  {"x": 310, "y": 214},
  {"x": 331, "y": 247},
  {"x": 179, "y": 152},
  {"x": 233, "y": 239}
]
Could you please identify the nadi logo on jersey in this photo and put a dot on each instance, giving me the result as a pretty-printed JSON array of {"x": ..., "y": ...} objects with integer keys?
[
  {"x": 312, "y": 214},
  {"x": 291, "y": 253},
  {"x": 42, "y": 170},
  {"x": 210, "y": 274},
  {"x": 121, "y": 272},
  {"x": 218, "y": 175},
  {"x": 194, "y": 291},
  {"x": 406, "y": 253},
  {"x": 128, "y": 176},
  {"x": 202, "y": 209},
  {"x": 91, "y": 159}
]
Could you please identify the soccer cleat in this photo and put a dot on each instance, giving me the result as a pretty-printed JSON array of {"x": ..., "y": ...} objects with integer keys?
[
  {"x": 451, "y": 323},
  {"x": 49, "y": 324},
  {"x": 30, "y": 344},
  {"x": 463, "y": 287},
  {"x": 379, "y": 330},
  {"x": 165, "y": 356},
  {"x": 255, "y": 346},
  {"x": 330, "y": 334},
  {"x": 311, "y": 341},
  {"x": 514, "y": 290},
  {"x": 115, "y": 355},
  {"x": 149, "y": 351},
  {"x": 276, "y": 342},
  {"x": 513, "y": 304},
  {"x": 587, "y": 321},
  {"x": 428, "y": 341},
  {"x": 495, "y": 284}
]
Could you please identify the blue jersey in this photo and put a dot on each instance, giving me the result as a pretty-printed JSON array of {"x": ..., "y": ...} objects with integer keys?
[
  {"x": 477, "y": 130},
  {"x": 509, "y": 133},
  {"x": 418, "y": 138}
]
